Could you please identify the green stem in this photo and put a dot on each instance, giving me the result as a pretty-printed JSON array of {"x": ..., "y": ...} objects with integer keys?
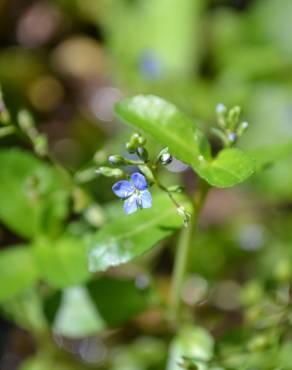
[{"x": 183, "y": 250}]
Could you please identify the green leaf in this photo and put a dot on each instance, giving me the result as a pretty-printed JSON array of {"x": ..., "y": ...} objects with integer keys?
[
  {"x": 192, "y": 346},
  {"x": 32, "y": 194},
  {"x": 106, "y": 290},
  {"x": 165, "y": 123},
  {"x": 17, "y": 272},
  {"x": 77, "y": 315},
  {"x": 231, "y": 166},
  {"x": 61, "y": 262},
  {"x": 123, "y": 239}
]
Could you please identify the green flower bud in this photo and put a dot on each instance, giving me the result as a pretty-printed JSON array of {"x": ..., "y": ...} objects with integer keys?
[
  {"x": 110, "y": 172},
  {"x": 165, "y": 157},
  {"x": 142, "y": 140},
  {"x": 130, "y": 147},
  {"x": 116, "y": 160},
  {"x": 232, "y": 137},
  {"x": 142, "y": 153},
  {"x": 25, "y": 120},
  {"x": 221, "y": 112},
  {"x": 146, "y": 171},
  {"x": 233, "y": 117},
  {"x": 136, "y": 141},
  {"x": 242, "y": 127}
]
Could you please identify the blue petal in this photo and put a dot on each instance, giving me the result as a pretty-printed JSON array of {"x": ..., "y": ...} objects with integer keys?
[
  {"x": 131, "y": 204},
  {"x": 139, "y": 181},
  {"x": 123, "y": 189},
  {"x": 145, "y": 199}
]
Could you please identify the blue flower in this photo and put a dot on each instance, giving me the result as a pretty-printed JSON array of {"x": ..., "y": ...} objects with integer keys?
[{"x": 134, "y": 192}]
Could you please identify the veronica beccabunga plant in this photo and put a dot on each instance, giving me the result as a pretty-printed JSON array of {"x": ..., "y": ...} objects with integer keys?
[
  {"x": 183, "y": 140},
  {"x": 152, "y": 211}
]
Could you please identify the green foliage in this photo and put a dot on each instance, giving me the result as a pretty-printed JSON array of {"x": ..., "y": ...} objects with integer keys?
[
  {"x": 17, "y": 272},
  {"x": 82, "y": 279},
  {"x": 32, "y": 194},
  {"x": 61, "y": 262}
]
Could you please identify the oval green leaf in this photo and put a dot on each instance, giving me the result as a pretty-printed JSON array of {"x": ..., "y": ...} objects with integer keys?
[
  {"x": 231, "y": 166},
  {"x": 129, "y": 236}
]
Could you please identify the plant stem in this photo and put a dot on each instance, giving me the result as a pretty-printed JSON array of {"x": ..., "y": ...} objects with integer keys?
[{"x": 183, "y": 250}]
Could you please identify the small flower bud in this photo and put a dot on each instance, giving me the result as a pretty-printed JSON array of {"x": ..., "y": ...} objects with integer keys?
[
  {"x": 116, "y": 160},
  {"x": 142, "y": 153},
  {"x": 85, "y": 175},
  {"x": 243, "y": 126},
  {"x": 134, "y": 143},
  {"x": 142, "y": 140},
  {"x": 165, "y": 157},
  {"x": 232, "y": 137},
  {"x": 130, "y": 148},
  {"x": 110, "y": 172},
  {"x": 146, "y": 171},
  {"x": 25, "y": 120},
  {"x": 233, "y": 116},
  {"x": 221, "y": 112}
]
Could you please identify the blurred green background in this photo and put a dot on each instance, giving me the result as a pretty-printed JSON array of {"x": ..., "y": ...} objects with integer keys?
[{"x": 68, "y": 62}]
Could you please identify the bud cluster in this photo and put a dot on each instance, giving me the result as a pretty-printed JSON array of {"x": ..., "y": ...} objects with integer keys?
[
  {"x": 135, "y": 145},
  {"x": 230, "y": 127}
]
